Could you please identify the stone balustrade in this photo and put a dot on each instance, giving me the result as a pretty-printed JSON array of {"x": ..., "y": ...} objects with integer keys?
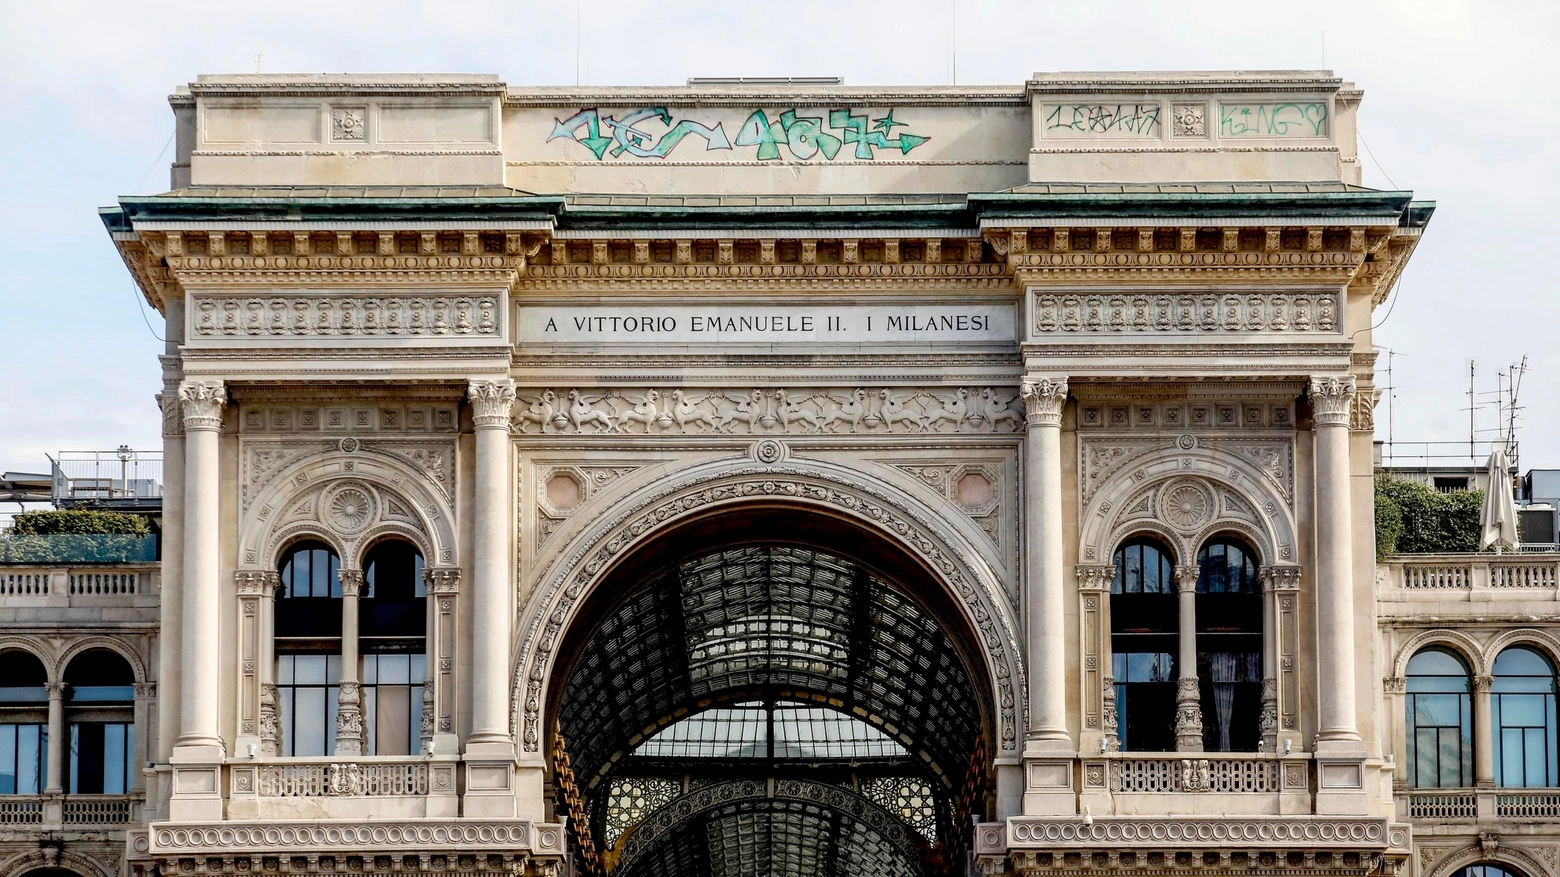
[
  {"x": 1440, "y": 573},
  {"x": 64, "y": 585},
  {"x": 70, "y": 810}
]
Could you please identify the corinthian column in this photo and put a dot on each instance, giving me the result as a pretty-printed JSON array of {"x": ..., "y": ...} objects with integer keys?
[
  {"x": 490, "y": 574},
  {"x": 1188, "y": 697},
  {"x": 1043, "y": 592},
  {"x": 349, "y": 699},
  {"x": 201, "y": 690},
  {"x": 1331, "y": 400}
]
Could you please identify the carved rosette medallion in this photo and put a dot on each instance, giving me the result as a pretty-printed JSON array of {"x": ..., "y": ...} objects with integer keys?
[
  {"x": 203, "y": 402},
  {"x": 1186, "y": 505},
  {"x": 350, "y": 508},
  {"x": 1332, "y": 400},
  {"x": 1043, "y": 401}
]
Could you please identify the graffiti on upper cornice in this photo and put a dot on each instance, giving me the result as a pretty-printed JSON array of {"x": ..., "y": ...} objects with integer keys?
[
  {"x": 652, "y": 133},
  {"x": 1273, "y": 120},
  {"x": 1104, "y": 118}
]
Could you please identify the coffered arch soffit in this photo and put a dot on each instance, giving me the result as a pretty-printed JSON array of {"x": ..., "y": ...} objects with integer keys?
[
  {"x": 348, "y": 500},
  {"x": 1185, "y": 495},
  {"x": 638, "y": 518}
]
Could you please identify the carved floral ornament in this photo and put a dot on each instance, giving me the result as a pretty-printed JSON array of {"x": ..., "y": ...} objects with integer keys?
[
  {"x": 1186, "y": 495},
  {"x": 1043, "y": 400},
  {"x": 203, "y": 402},
  {"x": 636, "y": 519},
  {"x": 1332, "y": 400},
  {"x": 348, "y": 500}
]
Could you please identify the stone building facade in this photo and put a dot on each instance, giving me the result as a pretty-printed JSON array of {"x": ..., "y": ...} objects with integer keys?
[{"x": 784, "y": 479}]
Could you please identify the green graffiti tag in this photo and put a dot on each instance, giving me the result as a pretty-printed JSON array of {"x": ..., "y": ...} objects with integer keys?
[
  {"x": 790, "y": 134},
  {"x": 1273, "y": 120}
]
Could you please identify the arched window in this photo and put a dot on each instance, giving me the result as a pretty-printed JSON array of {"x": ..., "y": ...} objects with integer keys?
[
  {"x": 1229, "y": 646},
  {"x": 1522, "y": 714},
  {"x": 101, "y": 759},
  {"x": 1439, "y": 721},
  {"x": 1487, "y": 869},
  {"x": 1143, "y": 630},
  {"x": 392, "y": 627},
  {"x": 308, "y": 648},
  {"x": 24, "y": 723}
]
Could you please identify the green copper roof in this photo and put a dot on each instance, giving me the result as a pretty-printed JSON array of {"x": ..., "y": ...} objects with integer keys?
[{"x": 1087, "y": 203}]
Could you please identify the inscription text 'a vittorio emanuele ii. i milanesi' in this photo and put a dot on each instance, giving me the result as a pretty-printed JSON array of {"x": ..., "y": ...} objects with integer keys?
[{"x": 722, "y": 324}]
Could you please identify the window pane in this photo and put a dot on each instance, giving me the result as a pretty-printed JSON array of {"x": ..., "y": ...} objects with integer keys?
[
  {"x": 31, "y": 744},
  {"x": 393, "y": 712},
  {"x": 309, "y": 721},
  {"x": 8, "y": 759}
]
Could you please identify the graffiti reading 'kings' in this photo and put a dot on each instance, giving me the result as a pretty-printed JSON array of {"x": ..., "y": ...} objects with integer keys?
[
  {"x": 1273, "y": 120},
  {"x": 651, "y": 133}
]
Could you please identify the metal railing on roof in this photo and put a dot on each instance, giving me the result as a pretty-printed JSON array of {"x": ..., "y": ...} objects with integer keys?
[
  {"x": 1444, "y": 455},
  {"x": 120, "y": 477}
]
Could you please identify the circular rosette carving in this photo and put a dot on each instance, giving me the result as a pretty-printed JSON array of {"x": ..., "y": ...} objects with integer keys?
[
  {"x": 350, "y": 508},
  {"x": 1186, "y": 505}
]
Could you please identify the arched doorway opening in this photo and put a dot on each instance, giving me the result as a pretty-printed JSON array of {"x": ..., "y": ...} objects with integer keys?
[{"x": 770, "y": 690}]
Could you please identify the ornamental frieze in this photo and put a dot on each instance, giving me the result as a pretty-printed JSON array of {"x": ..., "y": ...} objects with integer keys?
[
  {"x": 1274, "y": 312},
  {"x": 814, "y": 411},
  {"x": 344, "y": 316}
]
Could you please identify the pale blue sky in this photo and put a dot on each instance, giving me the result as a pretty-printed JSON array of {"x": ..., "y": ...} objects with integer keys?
[{"x": 1460, "y": 106}]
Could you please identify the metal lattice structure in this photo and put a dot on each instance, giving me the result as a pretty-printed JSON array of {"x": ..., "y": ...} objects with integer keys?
[{"x": 765, "y": 666}]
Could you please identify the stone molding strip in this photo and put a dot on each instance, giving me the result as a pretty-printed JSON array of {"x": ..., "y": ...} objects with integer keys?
[
  {"x": 411, "y": 835},
  {"x": 1212, "y": 833}
]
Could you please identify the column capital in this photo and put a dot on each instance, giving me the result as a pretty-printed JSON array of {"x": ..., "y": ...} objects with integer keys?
[
  {"x": 1482, "y": 684},
  {"x": 203, "y": 402},
  {"x": 1186, "y": 576},
  {"x": 1095, "y": 577},
  {"x": 1279, "y": 578},
  {"x": 170, "y": 407},
  {"x": 257, "y": 582},
  {"x": 56, "y": 690},
  {"x": 1043, "y": 400},
  {"x": 442, "y": 580},
  {"x": 1332, "y": 400},
  {"x": 351, "y": 582},
  {"x": 490, "y": 402}
]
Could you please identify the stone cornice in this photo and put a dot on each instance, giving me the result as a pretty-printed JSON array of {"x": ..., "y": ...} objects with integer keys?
[{"x": 172, "y": 840}]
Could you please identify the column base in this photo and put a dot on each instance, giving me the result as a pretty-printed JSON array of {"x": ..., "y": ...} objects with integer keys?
[
  {"x": 1340, "y": 777},
  {"x": 490, "y": 779},
  {"x": 196, "y": 794},
  {"x": 1048, "y": 780}
]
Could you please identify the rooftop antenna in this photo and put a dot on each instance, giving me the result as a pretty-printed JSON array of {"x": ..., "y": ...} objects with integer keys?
[
  {"x": 1473, "y": 369},
  {"x": 1391, "y": 391},
  {"x": 578, "y": 19},
  {"x": 953, "y": 41}
]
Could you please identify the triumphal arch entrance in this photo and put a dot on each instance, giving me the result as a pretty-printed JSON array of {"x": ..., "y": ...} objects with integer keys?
[{"x": 768, "y": 478}]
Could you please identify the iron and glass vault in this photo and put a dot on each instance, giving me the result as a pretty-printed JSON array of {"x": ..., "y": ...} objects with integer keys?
[{"x": 770, "y": 709}]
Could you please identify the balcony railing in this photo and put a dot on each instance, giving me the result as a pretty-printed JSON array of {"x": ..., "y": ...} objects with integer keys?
[
  {"x": 1443, "y": 805},
  {"x": 99, "y": 809},
  {"x": 21, "y": 810},
  {"x": 343, "y": 779},
  {"x": 1463, "y": 572},
  {"x": 1137, "y": 774},
  {"x": 70, "y": 810},
  {"x": 64, "y": 584}
]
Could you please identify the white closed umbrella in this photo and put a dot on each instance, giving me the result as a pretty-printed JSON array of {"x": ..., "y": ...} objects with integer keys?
[{"x": 1498, "y": 518}]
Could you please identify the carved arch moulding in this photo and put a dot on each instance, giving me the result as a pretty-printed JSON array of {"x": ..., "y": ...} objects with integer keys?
[
  {"x": 1184, "y": 489},
  {"x": 348, "y": 498},
  {"x": 639, "y": 518}
]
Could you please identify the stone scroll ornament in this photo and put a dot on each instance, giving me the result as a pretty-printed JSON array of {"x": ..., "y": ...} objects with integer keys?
[{"x": 886, "y": 410}]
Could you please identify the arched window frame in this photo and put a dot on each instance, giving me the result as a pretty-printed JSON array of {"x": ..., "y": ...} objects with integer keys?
[
  {"x": 308, "y": 661},
  {"x": 393, "y": 671},
  {"x": 1230, "y": 635},
  {"x": 1523, "y": 719},
  {"x": 1438, "y": 721},
  {"x": 1142, "y": 599},
  {"x": 99, "y": 751},
  {"x": 24, "y": 727}
]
